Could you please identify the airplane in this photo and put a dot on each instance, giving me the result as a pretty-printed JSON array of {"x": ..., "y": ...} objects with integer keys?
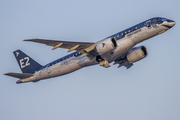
[{"x": 118, "y": 48}]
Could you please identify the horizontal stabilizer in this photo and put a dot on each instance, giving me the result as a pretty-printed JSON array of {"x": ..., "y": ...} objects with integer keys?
[{"x": 19, "y": 75}]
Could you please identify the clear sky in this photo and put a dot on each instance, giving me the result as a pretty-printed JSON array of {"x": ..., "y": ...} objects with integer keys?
[{"x": 150, "y": 90}]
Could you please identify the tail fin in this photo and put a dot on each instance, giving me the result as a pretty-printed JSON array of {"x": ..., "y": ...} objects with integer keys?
[{"x": 27, "y": 64}]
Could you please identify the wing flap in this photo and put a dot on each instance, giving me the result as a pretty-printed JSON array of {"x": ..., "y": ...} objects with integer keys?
[{"x": 19, "y": 75}]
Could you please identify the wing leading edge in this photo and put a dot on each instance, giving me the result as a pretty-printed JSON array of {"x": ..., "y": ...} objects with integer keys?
[
  {"x": 63, "y": 44},
  {"x": 86, "y": 48}
]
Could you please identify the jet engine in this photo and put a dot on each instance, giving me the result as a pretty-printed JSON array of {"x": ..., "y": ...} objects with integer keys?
[
  {"x": 137, "y": 54},
  {"x": 106, "y": 46}
]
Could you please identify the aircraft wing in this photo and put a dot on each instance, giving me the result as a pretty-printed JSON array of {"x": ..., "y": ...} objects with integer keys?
[{"x": 79, "y": 46}]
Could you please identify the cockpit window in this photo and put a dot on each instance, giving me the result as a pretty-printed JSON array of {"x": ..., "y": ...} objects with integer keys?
[
  {"x": 163, "y": 19},
  {"x": 157, "y": 19},
  {"x": 170, "y": 20}
]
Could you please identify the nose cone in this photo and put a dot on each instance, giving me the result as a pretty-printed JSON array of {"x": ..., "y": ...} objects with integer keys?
[{"x": 171, "y": 24}]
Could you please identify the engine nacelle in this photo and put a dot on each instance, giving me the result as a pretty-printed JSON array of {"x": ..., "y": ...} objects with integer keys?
[
  {"x": 137, "y": 54},
  {"x": 106, "y": 46}
]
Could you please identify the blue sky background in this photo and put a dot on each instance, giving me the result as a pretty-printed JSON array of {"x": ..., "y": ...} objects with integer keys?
[{"x": 150, "y": 90}]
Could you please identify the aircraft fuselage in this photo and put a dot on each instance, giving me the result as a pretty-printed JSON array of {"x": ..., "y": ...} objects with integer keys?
[{"x": 126, "y": 40}]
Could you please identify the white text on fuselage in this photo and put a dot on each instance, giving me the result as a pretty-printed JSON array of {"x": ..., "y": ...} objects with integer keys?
[{"x": 130, "y": 34}]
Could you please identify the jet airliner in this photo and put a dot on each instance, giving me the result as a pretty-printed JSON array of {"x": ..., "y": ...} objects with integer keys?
[{"x": 118, "y": 48}]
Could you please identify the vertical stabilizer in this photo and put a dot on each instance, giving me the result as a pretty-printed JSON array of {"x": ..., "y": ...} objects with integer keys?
[{"x": 27, "y": 64}]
